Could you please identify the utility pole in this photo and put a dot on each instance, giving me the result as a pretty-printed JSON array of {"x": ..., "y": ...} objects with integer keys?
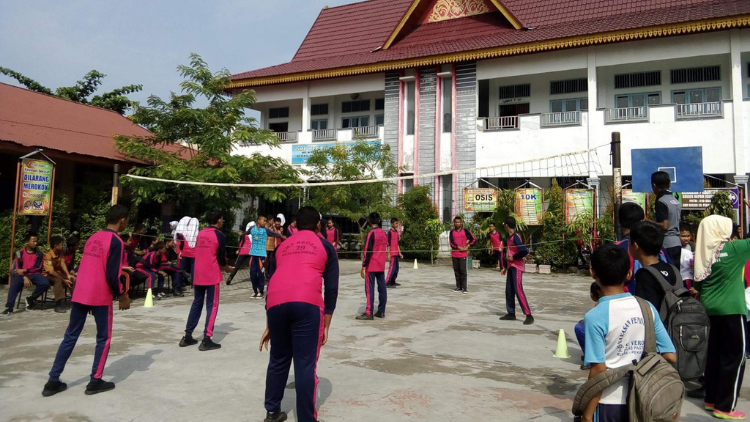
[
  {"x": 115, "y": 184},
  {"x": 617, "y": 176}
]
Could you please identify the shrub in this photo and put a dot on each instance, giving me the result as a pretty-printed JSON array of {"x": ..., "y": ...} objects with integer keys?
[{"x": 421, "y": 236}]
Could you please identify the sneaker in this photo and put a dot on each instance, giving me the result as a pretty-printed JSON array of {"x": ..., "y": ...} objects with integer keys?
[
  {"x": 365, "y": 317},
  {"x": 275, "y": 417},
  {"x": 53, "y": 387},
  {"x": 59, "y": 309},
  {"x": 466, "y": 292},
  {"x": 380, "y": 314},
  {"x": 177, "y": 293},
  {"x": 708, "y": 406},
  {"x": 396, "y": 284},
  {"x": 28, "y": 302},
  {"x": 734, "y": 415},
  {"x": 508, "y": 317},
  {"x": 585, "y": 367},
  {"x": 390, "y": 285},
  {"x": 188, "y": 341},
  {"x": 229, "y": 281},
  {"x": 457, "y": 289},
  {"x": 7, "y": 312},
  {"x": 99, "y": 386},
  {"x": 160, "y": 295},
  {"x": 260, "y": 295},
  {"x": 208, "y": 344},
  {"x": 529, "y": 320},
  {"x": 255, "y": 295}
]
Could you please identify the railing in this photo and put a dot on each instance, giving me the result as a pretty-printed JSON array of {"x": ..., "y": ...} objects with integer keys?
[
  {"x": 564, "y": 118},
  {"x": 692, "y": 111},
  {"x": 366, "y": 131},
  {"x": 627, "y": 114},
  {"x": 501, "y": 123},
  {"x": 323, "y": 134},
  {"x": 287, "y": 136}
]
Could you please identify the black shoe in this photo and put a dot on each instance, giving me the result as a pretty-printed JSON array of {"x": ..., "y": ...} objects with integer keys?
[
  {"x": 208, "y": 344},
  {"x": 466, "y": 292},
  {"x": 508, "y": 317},
  {"x": 390, "y": 285},
  {"x": 99, "y": 386},
  {"x": 53, "y": 387},
  {"x": 7, "y": 312},
  {"x": 59, "y": 309},
  {"x": 255, "y": 295},
  {"x": 585, "y": 367},
  {"x": 177, "y": 293},
  {"x": 697, "y": 393},
  {"x": 457, "y": 289},
  {"x": 380, "y": 314},
  {"x": 396, "y": 284},
  {"x": 364, "y": 317},
  {"x": 188, "y": 341},
  {"x": 275, "y": 417},
  {"x": 260, "y": 295},
  {"x": 529, "y": 320},
  {"x": 29, "y": 302},
  {"x": 229, "y": 281}
]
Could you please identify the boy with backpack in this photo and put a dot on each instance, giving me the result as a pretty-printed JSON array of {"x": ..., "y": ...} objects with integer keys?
[
  {"x": 646, "y": 238},
  {"x": 617, "y": 335}
]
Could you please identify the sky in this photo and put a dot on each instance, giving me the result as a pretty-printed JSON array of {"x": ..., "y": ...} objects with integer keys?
[{"x": 143, "y": 42}]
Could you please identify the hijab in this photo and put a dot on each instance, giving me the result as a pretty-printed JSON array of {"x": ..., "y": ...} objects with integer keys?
[
  {"x": 189, "y": 228},
  {"x": 713, "y": 232},
  {"x": 249, "y": 226}
]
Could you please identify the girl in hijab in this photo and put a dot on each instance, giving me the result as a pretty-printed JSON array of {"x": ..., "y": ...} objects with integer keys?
[
  {"x": 718, "y": 278},
  {"x": 185, "y": 236}
]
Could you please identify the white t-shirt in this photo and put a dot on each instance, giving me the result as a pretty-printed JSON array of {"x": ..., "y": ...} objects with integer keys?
[{"x": 686, "y": 263}]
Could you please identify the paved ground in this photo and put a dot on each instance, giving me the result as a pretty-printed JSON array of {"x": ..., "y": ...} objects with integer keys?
[{"x": 438, "y": 356}]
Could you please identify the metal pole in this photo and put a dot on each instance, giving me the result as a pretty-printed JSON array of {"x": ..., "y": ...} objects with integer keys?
[
  {"x": 13, "y": 224},
  {"x": 51, "y": 200},
  {"x": 617, "y": 175},
  {"x": 115, "y": 184}
]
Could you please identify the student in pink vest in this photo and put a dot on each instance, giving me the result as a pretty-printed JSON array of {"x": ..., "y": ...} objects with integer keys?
[
  {"x": 299, "y": 309},
  {"x": 210, "y": 261},
  {"x": 97, "y": 282},
  {"x": 332, "y": 234},
  {"x": 460, "y": 239},
  {"x": 373, "y": 268},
  {"x": 514, "y": 283},
  {"x": 394, "y": 252},
  {"x": 497, "y": 245},
  {"x": 27, "y": 270}
]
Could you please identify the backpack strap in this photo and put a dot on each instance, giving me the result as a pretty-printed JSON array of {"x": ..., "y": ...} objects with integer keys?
[
  {"x": 663, "y": 283},
  {"x": 596, "y": 385},
  {"x": 648, "y": 322}
]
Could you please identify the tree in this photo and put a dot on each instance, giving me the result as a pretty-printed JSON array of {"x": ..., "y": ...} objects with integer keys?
[
  {"x": 360, "y": 161},
  {"x": 721, "y": 204},
  {"x": 421, "y": 233},
  {"x": 196, "y": 144},
  {"x": 553, "y": 250},
  {"x": 115, "y": 100}
]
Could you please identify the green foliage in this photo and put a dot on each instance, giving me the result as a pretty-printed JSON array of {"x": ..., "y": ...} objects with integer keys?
[
  {"x": 605, "y": 225},
  {"x": 115, "y": 100},
  {"x": 421, "y": 234},
  {"x": 196, "y": 144},
  {"x": 361, "y": 161},
  {"x": 721, "y": 204},
  {"x": 553, "y": 250}
]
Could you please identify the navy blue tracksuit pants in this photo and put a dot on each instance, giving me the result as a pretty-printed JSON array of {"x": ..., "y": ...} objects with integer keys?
[
  {"x": 513, "y": 288},
  {"x": 393, "y": 270},
  {"x": 16, "y": 285},
  {"x": 78, "y": 312},
  {"x": 296, "y": 334},
  {"x": 257, "y": 278},
  {"x": 186, "y": 265},
  {"x": 209, "y": 294},
  {"x": 370, "y": 292}
]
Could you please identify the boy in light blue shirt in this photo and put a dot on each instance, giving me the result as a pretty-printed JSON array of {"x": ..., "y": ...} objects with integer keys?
[
  {"x": 615, "y": 334},
  {"x": 259, "y": 234}
]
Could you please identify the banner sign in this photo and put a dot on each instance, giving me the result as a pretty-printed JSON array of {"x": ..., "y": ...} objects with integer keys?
[
  {"x": 578, "y": 201},
  {"x": 637, "y": 197},
  {"x": 529, "y": 205},
  {"x": 701, "y": 200},
  {"x": 36, "y": 183},
  {"x": 302, "y": 152},
  {"x": 480, "y": 199}
]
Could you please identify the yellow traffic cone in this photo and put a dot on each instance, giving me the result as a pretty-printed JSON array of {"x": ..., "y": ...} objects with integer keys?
[
  {"x": 562, "y": 346},
  {"x": 416, "y": 266},
  {"x": 149, "y": 302}
]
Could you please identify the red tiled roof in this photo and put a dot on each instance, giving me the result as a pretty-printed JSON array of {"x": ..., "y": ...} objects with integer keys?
[
  {"x": 338, "y": 39},
  {"x": 33, "y": 119}
]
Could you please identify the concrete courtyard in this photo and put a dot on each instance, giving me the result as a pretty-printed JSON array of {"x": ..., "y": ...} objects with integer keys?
[{"x": 437, "y": 356}]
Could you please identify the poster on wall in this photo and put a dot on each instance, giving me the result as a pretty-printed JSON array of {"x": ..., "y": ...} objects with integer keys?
[
  {"x": 701, "y": 200},
  {"x": 480, "y": 199},
  {"x": 302, "y": 152},
  {"x": 578, "y": 201},
  {"x": 529, "y": 205},
  {"x": 36, "y": 183},
  {"x": 636, "y": 197}
]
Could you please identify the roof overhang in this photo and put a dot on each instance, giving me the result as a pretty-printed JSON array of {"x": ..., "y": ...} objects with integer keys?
[{"x": 502, "y": 51}]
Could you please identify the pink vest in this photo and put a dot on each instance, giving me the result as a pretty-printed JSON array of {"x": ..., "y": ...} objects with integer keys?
[
  {"x": 91, "y": 283},
  {"x": 331, "y": 235},
  {"x": 207, "y": 271},
  {"x": 512, "y": 250},
  {"x": 300, "y": 262},
  {"x": 461, "y": 240},
  {"x": 395, "y": 249},
  {"x": 246, "y": 244},
  {"x": 292, "y": 230},
  {"x": 497, "y": 244},
  {"x": 378, "y": 249}
]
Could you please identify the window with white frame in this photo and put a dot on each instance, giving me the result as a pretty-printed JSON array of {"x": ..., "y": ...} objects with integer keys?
[
  {"x": 355, "y": 121},
  {"x": 379, "y": 120},
  {"x": 697, "y": 95},
  {"x": 515, "y": 91},
  {"x": 695, "y": 74},
  {"x": 641, "y": 99},
  {"x": 319, "y": 124},
  {"x": 410, "y": 107},
  {"x": 447, "y": 104},
  {"x": 319, "y": 110},
  {"x": 380, "y": 104},
  {"x": 569, "y": 86},
  {"x": 355, "y": 106},
  {"x": 279, "y": 127},
  {"x": 278, "y": 113},
  {"x": 571, "y": 104}
]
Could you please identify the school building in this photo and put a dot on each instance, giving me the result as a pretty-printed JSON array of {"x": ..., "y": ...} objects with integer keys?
[{"x": 459, "y": 84}]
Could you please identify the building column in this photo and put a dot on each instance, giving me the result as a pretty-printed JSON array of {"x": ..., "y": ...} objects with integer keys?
[
  {"x": 738, "y": 111},
  {"x": 306, "y": 107},
  {"x": 592, "y": 97}
]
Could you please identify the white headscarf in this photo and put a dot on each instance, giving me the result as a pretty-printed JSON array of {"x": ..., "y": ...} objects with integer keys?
[
  {"x": 189, "y": 228},
  {"x": 181, "y": 226},
  {"x": 713, "y": 232},
  {"x": 249, "y": 226},
  {"x": 281, "y": 216},
  {"x": 173, "y": 226}
]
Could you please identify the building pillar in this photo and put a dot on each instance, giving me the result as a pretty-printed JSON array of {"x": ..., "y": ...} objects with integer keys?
[
  {"x": 592, "y": 97},
  {"x": 738, "y": 109},
  {"x": 595, "y": 184},
  {"x": 742, "y": 179},
  {"x": 306, "y": 107}
]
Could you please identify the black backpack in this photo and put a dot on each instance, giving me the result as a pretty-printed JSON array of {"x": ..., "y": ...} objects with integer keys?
[{"x": 687, "y": 323}]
